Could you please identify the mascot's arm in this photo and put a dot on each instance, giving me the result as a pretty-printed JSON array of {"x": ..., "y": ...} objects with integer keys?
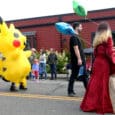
[{"x": 28, "y": 53}]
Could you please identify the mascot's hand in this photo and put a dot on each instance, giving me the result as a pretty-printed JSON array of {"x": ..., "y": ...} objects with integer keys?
[{"x": 28, "y": 53}]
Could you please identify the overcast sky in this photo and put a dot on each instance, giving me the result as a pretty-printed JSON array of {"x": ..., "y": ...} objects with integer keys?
[{"x": 20, "y": 9}]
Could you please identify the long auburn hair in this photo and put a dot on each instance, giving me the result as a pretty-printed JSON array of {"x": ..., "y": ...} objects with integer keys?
[{"x": 102, "y": 34}]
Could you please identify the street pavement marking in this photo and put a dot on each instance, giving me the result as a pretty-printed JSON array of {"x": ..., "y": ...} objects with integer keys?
[{"x": 36, "y": 96}]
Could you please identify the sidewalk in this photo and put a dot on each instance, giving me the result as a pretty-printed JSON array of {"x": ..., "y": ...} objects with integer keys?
[{"x": 59, "y": 76}]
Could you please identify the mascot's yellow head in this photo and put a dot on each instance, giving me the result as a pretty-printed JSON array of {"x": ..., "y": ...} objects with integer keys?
[{"x": 10, "y": 38}]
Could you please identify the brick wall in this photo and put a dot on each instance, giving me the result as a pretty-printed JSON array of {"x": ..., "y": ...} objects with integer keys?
[{"x": 48, "y": 37}]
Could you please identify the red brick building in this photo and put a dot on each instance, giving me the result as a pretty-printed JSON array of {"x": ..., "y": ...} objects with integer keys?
[{"x": 41, "y": 31}]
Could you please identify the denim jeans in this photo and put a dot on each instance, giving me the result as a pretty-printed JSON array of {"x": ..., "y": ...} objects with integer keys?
[{"x": 42, "y": 70}]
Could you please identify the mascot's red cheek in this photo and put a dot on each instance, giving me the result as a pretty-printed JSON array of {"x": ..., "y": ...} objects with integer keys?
[{"x": 16, "y": 43}]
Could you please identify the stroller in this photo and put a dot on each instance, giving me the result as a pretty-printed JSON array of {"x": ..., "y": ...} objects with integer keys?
[{"x": 89, "y": 59}]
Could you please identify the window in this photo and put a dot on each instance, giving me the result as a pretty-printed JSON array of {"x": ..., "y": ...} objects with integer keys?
[{"x": 31, "y": 40}]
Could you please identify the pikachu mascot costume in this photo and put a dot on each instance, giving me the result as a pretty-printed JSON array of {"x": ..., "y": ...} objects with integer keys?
[{"x": 14, "y": 63}]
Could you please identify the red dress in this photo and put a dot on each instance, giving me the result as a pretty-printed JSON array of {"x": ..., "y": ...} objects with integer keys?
[{"x": 97, "y": 98}]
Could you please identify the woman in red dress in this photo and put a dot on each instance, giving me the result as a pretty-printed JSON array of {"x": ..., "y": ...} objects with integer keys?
[{"x": 97, "y": 98}]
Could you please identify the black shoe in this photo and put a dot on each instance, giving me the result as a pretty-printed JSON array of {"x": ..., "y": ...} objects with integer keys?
[
  {"x": 22, "y": 87},
  {"x": 13, "y": 89},
  {"x": 73, "y": 94}
]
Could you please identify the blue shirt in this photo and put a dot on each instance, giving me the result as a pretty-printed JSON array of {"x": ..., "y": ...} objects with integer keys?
[{"x": 35, "y": 67}]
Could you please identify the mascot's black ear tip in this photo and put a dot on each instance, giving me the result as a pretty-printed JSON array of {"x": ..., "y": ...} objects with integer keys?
[{"x": 1, "y": 20}]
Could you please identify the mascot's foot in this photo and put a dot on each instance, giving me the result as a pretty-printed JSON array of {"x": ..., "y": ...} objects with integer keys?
[
  {"x": 22, "y": 87},
  {"x": 13, "y": 88}
]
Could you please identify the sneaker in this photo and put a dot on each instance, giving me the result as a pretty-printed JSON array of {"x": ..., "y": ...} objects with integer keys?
[
  {"x": 13, "y": 89},
  {"x": 22, "y": 87},
  {"x": 72, "y": 94}
]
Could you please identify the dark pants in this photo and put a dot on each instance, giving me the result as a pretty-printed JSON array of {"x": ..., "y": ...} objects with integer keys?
[
  {"x": 53, "y": 71},
  {"x": 73, "y": 77}
]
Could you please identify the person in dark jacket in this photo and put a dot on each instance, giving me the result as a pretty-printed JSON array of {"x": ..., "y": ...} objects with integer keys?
[{"x": 52, "y": 61}]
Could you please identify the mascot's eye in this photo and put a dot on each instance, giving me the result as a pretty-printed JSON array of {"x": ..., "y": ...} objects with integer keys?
[
  {"x": 16, "y": 35},
  {"x": 25, "y": 43}
]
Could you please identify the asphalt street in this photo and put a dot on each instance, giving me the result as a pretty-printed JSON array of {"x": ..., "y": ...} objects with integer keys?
[{"x": 46, "y": 97}]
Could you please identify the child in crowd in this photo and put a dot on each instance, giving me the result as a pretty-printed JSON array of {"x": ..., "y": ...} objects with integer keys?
[{"x": 35, "y": 69}]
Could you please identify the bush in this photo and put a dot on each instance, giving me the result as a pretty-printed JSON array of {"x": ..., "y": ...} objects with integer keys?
[{"x": 62, "y": 61}]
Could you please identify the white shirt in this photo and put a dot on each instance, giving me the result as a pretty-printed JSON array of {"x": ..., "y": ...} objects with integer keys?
[{"x": 42, "y": 58}]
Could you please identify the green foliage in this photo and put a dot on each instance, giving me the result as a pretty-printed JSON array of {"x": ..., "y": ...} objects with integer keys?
[
  {"x": 37, "y": 55},
  {"x": 62, "y": 61},
  {"x": 47, "y": 68}
]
